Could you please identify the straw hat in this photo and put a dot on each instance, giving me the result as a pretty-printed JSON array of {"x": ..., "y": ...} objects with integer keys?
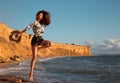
[{"x": 14, "y": 36}]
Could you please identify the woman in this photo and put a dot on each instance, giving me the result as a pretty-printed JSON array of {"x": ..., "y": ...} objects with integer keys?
[{"x": 42, "y": 20}]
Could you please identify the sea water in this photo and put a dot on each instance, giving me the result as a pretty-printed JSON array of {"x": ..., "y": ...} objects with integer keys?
[{"x": 82, "y": 69}]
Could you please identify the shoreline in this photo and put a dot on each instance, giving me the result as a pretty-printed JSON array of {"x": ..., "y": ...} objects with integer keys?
[
  {"x": 21, "y": 59},
  {"x": 9, "y": 64},
  {"x": 12, "y": 78}
]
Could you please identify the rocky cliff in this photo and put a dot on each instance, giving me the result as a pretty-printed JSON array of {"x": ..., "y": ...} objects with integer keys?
[{"x": 10, "y": 49}]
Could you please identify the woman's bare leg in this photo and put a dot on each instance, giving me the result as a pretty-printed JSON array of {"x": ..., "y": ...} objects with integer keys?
[
  {"x": 44, "y": 44},
  {"x": 34, "y": 54}
]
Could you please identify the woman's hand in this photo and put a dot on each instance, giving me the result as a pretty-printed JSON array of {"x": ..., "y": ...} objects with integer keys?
[{"x": 18, "y": 35}]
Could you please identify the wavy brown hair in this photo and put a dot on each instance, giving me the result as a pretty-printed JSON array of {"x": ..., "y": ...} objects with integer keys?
[{"x": 46, "y": 17}]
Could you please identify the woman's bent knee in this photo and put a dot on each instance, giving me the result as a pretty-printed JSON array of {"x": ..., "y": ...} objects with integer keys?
[{"x": 49, "y": 44}]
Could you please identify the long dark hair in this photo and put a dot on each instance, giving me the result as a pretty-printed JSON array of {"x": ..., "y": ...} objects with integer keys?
[{"x": 46, "y": 17}]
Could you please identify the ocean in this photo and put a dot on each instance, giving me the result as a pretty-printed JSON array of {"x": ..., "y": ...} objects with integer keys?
[{"x": 82, "y": 69}]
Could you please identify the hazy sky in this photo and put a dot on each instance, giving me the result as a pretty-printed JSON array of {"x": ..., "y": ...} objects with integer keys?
[{"x": 85, "y": 22}]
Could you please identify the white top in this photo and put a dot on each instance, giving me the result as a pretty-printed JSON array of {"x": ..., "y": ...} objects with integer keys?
[{"x": 37, "y": 28}]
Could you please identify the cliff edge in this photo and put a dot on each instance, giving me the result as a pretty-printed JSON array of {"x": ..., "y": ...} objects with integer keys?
[{"x": 11, "y": 50}]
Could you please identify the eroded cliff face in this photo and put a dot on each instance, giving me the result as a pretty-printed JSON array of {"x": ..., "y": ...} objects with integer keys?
[{"x": 9, "y": 48}]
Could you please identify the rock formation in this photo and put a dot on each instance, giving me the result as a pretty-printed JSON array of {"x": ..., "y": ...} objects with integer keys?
[{"x": 10, "y": 49}]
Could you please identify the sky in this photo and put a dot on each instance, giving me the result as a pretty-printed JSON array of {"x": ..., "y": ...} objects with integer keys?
[{"x": 84, "y": 22}]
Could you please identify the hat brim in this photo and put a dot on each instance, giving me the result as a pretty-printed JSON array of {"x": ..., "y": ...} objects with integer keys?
[{"x": 14, "y": 37}]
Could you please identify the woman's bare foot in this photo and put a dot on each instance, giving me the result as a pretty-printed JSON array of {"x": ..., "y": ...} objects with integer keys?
[{"x": 31, "y": 78}]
